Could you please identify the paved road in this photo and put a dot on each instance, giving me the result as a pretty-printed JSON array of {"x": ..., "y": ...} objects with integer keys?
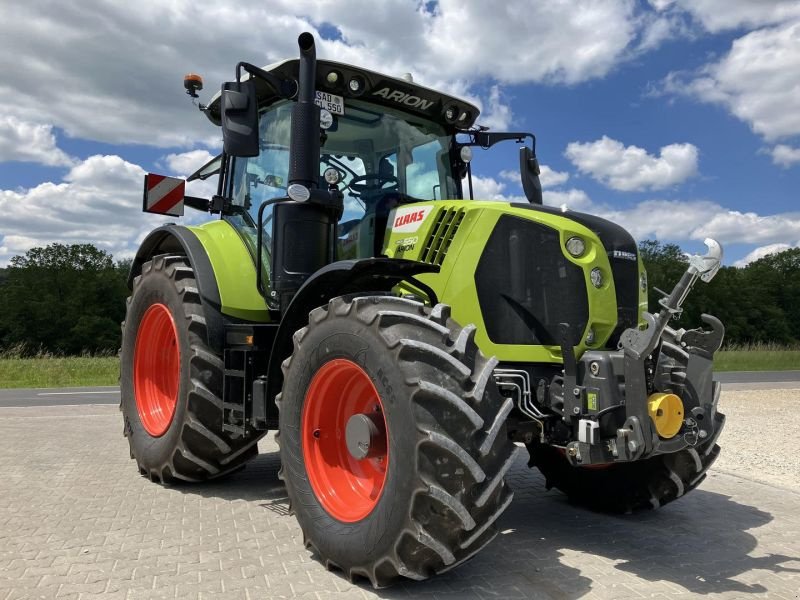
[
  {"x": 755, "y": 380},
  {"x": 59, "y": 396}
]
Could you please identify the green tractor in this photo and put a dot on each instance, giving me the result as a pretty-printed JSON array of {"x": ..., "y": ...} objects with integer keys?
[{"x": 349, "y": 297}]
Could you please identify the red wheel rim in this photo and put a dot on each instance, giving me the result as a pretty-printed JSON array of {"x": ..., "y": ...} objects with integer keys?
[
  {"x": 347, "y": 488},
  {"x": 156, "y": 370}
]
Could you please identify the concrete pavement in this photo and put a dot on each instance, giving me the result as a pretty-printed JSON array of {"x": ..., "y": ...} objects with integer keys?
[{"x": 78, "y": 521}]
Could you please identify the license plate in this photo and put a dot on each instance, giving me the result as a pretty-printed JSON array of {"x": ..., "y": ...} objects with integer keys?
[{"x": 331, "y": 102}]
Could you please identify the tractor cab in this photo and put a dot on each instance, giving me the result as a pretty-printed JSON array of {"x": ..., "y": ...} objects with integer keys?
[
  {"x": 375, "y": 156},
  {"x": 377, "y": 141}
]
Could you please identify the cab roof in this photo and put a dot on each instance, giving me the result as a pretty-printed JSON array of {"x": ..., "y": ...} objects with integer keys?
[{"x": 376, "y": 88}]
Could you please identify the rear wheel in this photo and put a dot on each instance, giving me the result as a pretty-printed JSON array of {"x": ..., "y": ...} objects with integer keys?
[
  {"x": 171, "y": 380},
  {"x": 626, "y": 487},
  {"x": 393, "y": 439}
]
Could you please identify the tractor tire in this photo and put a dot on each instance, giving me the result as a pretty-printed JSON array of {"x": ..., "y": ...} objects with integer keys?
[
  {"x": 171, "y": 381},
  {"x": 627, "y": 487},
  {"x": 427, "y": 495}
]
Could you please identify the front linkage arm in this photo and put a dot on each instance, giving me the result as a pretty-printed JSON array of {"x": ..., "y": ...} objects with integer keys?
[{"x": 683, "y": 366}]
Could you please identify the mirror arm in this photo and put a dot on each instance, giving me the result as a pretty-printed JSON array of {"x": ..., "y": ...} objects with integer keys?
[
  {"x": 486, "y": 139},
  {"x": 285, "y": 88}
]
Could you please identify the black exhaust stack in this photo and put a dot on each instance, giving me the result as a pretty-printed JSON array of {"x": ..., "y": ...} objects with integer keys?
[
  {"x": 304, "y": 158},
  {"x": 304, "y": 230}
]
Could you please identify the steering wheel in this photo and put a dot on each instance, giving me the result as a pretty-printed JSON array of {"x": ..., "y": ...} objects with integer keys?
[{"x": 372, "y": 182}]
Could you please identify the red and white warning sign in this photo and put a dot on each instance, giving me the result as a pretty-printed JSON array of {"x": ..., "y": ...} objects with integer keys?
[{"x": 164, "y": 195}]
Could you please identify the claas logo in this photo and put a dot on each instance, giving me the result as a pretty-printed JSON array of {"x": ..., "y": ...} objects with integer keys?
[{"x": 409, "y": 218}]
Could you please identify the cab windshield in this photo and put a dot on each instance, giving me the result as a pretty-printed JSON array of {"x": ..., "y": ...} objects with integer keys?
[{"x": 384, "y": 158}]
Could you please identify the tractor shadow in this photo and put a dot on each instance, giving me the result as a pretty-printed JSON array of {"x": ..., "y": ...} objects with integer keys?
[
  {"x": 256, "y": 482},
  {"x": 700, "y": 543},
  {"x": 550, "y": 548}
]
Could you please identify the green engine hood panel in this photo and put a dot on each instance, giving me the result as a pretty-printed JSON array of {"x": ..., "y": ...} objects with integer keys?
[{"x": 454, "y": 235}]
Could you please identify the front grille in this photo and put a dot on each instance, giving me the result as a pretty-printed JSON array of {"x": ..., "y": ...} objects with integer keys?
[
  {"x": 624, "y": 270},
  {"x": 527, "y": 287},
  {"x": 440, "y": 238}
]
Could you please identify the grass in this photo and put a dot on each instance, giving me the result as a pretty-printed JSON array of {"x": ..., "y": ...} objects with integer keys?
[
  {"x": 46, "y": 370},
  {"x": 757, "y": 357}
]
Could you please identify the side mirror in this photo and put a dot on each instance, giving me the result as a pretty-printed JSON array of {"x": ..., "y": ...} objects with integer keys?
[
  {"x": 240, "y": 118},
  {"x": 529, "y": 172}
]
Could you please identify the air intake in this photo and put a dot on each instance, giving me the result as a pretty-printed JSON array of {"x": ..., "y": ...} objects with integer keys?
[{"x": 438, "y": 242}]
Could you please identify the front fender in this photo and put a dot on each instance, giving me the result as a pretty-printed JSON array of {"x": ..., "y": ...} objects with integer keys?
[{"x": 336, "y": 279}]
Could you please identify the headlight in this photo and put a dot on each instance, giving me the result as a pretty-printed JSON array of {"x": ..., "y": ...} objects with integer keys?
[
  {"x": 596, "y": 277},
  {"x": 575, "y": 246}
]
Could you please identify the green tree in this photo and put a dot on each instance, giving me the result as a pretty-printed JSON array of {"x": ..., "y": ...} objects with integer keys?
[
  {"x": 756, "y": 303},
  {"x": 665, "y": 263},
  {"x": 63, "y": 298},
  {"x": 775, "y": 280}
]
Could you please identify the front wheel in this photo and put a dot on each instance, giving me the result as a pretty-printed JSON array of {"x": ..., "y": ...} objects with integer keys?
[{"x": 393, "y": 439}]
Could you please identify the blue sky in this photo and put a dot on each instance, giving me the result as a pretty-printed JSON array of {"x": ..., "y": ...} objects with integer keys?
[{"x": 680, "y": 119}]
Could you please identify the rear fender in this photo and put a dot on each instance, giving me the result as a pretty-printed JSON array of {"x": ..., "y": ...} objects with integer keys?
[{"x": 177, "y": 239}]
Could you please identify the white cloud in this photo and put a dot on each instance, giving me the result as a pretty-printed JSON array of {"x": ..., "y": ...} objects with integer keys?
[
  {"x": 510, "y": 175},
  {"x": 186, "y": 163},
  {"x": 678, "y": 220},
  {"x": 784, "y": 155},
  {"x": 498, "y": 114},
  {"x": 548, "y": 177},
  {"x": 98, "y": 202},
  {"x": 750, "y": 227},
  {"x": 572, "y": 199},
  {"x": 763, "y": 251},
  {"x": 488, "y": 188},
  {"x": 758, "y": 81},
  {"x": 551, "y": 178},
  {"x": 667, "y": 220},
  {"x": 564, "y": 41},
  {"x": 24, "y": 141},
  {"x": 660, "y": 4},
  {"x": 122, "y": 83},
  {"x": 720, "y": 15},
  {"x": 630, "y": 168}
]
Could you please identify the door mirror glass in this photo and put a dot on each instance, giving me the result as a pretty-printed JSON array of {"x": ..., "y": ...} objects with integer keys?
[
  {"x": 529, "y": 172},
  {"x": 239, "y": 118}
]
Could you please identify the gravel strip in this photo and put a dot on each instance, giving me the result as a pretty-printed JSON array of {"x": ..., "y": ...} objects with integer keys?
[{"x": 760, "y": 439}]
